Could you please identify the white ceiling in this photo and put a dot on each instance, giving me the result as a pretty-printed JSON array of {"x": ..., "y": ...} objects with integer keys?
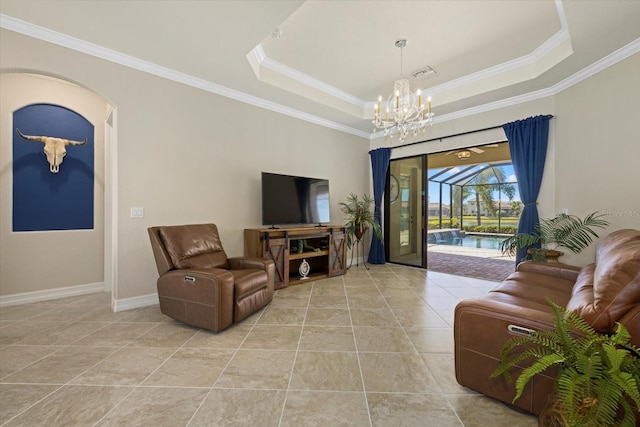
[{"x": 334, "y": 58}]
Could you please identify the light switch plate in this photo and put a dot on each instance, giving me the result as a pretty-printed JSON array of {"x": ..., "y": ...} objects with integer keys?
[{"x": 137, "y": 212}]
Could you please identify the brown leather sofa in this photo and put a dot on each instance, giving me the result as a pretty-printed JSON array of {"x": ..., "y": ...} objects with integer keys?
[
  {"x": 603, "y": 293},
  {"x": 199, "y": 285}
]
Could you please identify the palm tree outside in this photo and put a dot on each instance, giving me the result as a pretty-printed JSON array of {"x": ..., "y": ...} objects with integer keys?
[
  {"x": 478, "y": 203},
  {"x": 484, "y": 185}
]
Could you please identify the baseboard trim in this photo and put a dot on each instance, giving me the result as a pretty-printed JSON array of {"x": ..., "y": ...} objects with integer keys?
[
  {"x": 134, "y": 302},
  {"x": 51, "y": 294}
]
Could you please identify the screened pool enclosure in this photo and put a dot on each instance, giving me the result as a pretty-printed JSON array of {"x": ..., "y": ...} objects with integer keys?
[{"x": 480, "y": 198}]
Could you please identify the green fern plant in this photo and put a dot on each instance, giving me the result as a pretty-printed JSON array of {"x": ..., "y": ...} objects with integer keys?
[
  {"x": 599, "y": 374},
  {"x": 360, "y": 217},
  {"x": 567, "y": 231}
]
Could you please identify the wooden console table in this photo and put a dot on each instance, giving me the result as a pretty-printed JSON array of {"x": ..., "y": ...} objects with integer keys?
[{"x": 325, "y": 250}]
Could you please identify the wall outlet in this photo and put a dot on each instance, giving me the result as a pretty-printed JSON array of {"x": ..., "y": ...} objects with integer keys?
[{"x": 137, "y": 212}]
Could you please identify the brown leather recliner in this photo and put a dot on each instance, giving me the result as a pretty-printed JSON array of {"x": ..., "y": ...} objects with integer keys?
[
  {"x": 199, "y": 285},
  {"x": 603, "y": 293}
]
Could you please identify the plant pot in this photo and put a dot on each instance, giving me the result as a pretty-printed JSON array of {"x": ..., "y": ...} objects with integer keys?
[
  {"x": 548, "y": 255},
  {"x": 359, "y": 232},
  {"x": 551, "y": 415}
]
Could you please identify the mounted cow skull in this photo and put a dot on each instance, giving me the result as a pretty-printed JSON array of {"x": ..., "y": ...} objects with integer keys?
[{"x": 54, "y": 148}]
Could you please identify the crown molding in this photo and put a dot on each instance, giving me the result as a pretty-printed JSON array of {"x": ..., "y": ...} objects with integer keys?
[
  {"x": 496, "y": 105},
  {"x": 561, "y": 15},
  {"x": 613, "y": 58},
  {"x": 293, "y": 74},
  {"x": 554, "y": 42},
  {"x": 54, "y": 37}
]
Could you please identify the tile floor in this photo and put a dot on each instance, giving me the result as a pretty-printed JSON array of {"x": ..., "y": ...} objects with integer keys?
[{"x": 372, "y": 348}]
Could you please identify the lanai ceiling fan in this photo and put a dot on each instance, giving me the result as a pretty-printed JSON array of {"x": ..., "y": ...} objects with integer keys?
[{"x": 465, "y": 153}]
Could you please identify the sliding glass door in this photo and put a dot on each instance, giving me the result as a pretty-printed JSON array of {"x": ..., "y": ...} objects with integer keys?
[
  {"x": 405, "y": 219},
  {"x": 470, "y": 190}
]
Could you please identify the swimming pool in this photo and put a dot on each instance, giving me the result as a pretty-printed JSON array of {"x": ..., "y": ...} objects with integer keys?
[
  {"x": 479, "y": 241},
  {"x": 482, "y": 241}
]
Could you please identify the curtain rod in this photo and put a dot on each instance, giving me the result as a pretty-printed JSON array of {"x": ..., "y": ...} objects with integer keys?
[{"x": 550, "y": 116}]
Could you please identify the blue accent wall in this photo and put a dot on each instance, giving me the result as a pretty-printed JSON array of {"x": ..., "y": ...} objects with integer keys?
[{"x": 43, "y": 200}]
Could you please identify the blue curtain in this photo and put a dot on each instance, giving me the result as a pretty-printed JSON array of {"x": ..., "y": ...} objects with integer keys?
[
  {"x": 379, "y": 165},
  {"x": 528, "y": 145}
]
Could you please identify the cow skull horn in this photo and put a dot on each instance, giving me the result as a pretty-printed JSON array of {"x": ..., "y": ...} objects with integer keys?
[
  {"x": 31, "y": 137},
  {"x": 72, "y": 142}
]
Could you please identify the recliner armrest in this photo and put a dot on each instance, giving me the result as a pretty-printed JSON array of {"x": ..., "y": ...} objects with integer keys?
[
  {"x": 186, "y": 282},
  {"x": 239, "y": 263},
  {"x": 201, "y": 297},
  {"x": 214, "y": 274},
  {"x": 561, "y": 271}
]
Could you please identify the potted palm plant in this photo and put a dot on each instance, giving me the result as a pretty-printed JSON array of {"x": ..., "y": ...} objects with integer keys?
[
  {"x": 598, "y": 383},
  {"x": 567, "y": 231},
  {"x": 360, "y": 218}
]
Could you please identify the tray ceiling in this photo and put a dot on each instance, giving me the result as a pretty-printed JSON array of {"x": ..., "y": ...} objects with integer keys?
[{"x": 333, "y": 58}]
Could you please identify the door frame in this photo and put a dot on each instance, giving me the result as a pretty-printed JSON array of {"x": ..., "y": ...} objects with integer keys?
[{"x": 421, "y": 234}]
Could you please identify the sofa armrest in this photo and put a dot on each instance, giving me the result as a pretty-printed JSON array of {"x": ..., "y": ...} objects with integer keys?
[
  {"x": 561, "y": 271},
  {"x": 482, "y": 326}
]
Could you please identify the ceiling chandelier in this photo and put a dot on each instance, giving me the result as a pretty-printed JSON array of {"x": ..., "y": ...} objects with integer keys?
[{"x": 405, "y": 111}]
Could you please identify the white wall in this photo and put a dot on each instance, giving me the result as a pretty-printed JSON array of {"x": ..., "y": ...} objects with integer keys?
[
  {"x": 598, "y": 148},
  {"x": 186, "y": 155},
  {"x": 37, "y": 261}
]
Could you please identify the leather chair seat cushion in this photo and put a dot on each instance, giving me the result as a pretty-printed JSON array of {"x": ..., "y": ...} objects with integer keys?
[
  {"x": 248, "y": 281},
  {"x": 194, "y": 246}
]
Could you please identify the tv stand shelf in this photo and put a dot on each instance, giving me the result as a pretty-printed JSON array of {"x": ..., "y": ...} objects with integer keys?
[
  {"x": 310, "y": 254},
  {"x": 324, "y": 248}
]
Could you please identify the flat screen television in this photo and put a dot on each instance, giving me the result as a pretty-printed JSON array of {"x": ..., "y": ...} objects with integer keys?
[{"x": 290, "y": 199}]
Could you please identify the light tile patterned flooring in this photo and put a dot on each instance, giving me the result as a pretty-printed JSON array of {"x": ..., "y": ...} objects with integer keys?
[{"x": 372, "y": 348}]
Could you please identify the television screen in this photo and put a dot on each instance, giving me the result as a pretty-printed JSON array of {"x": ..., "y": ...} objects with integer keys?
[{"x": 294, "y": 200}]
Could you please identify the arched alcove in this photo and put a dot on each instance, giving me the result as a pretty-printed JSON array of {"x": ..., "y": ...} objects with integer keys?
[{"x": 47, "y": 264}]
